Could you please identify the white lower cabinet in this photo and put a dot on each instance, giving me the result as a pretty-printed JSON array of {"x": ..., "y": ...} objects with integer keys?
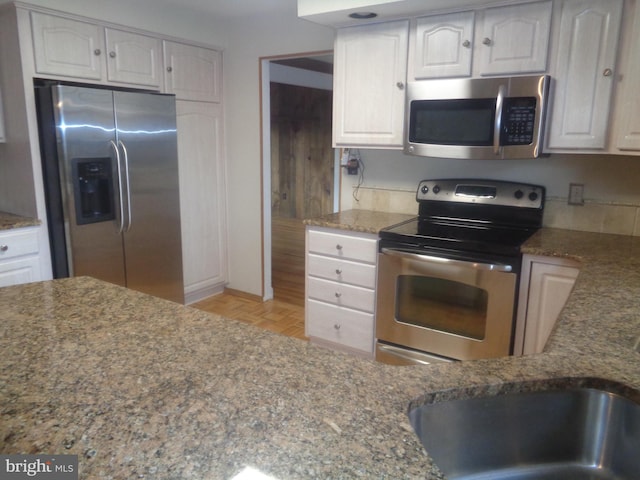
[
  {"x": 19, "y": 262},
  {"x": 545, "y": 286},
  {"x": 340, "y": 289}
]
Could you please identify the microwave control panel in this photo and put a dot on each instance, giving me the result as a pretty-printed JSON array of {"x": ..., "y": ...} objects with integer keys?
[{"x": 518, "y": 121}]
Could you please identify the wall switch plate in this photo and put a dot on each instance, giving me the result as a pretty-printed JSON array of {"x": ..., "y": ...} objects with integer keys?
[{"x": 576, "y": 194}]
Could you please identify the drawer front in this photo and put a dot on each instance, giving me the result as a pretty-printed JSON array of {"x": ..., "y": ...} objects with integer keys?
[
  {"x": 18, "y": 242},
  {"x": 340, "y": 325},
  {"x": 350, "y": 247},
  {"x": 21, "y": 270},
  {"x": 343, "y": 271},
  {"x": 341, "y": 294}
]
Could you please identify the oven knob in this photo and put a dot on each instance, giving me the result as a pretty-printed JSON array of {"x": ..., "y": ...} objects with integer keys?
[
  {"x": 519, "y": 194},
  {"x": 424, "y": 189},
  {"x": 436, "y": 189},
  {"x": 533, "y": 196}
]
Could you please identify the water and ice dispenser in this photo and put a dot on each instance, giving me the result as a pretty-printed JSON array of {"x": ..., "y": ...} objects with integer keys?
[{"x": 93, "y": 190}]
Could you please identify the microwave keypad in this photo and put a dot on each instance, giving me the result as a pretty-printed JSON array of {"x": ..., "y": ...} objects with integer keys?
[{"x": 518, "y": 121}]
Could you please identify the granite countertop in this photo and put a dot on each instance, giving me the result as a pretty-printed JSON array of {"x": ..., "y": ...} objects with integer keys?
[
  {"x": 9, "y": 220},
  {"x": 142, "y": 387},
  {"x": 366, "y": 221}
]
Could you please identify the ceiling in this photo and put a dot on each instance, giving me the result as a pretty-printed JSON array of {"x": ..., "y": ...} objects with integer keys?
[{"x": 232, "y": 8}]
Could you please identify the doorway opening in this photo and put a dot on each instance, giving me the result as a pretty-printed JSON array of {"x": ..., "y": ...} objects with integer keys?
[{"x": 300, "y": 172}]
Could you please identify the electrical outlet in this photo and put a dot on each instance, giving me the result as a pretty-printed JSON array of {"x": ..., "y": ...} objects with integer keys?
[{"x": 576, "y": 194}]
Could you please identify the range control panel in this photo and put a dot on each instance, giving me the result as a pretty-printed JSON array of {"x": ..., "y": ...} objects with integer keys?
[{"x": 487, "y": 192}]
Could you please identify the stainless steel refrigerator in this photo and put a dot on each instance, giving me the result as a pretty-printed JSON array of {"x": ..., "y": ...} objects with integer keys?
[{"x": 111, "y": 185}]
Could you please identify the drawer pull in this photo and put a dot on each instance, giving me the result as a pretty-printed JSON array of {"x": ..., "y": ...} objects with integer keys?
[
  {"x": 338, "y": 294},
  {"x": 4, "y": 248},
  {"x": 338, "y": 247},
  {"x": 338, "y": 271},
  {"x": 336, "y": 326}
]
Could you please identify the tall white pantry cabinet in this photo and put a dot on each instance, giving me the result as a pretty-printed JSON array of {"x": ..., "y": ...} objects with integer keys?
[{"x": 59, "y": 46}]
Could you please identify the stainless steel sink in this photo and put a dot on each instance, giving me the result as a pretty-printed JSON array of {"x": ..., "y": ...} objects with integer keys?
[{"x": 570, "y": 434}]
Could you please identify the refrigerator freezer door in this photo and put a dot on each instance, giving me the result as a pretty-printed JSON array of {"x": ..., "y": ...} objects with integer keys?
[
  {"x": 146, "y": 131},
  {"x": 85, "y": 130}
]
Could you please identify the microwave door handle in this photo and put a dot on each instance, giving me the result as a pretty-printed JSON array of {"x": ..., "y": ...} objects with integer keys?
[
  {"x": 460, "y": 263},
  {"x": 497, "y": 127}
]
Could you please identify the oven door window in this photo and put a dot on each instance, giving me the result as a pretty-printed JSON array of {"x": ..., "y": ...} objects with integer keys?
[
  {"x": 466, "y": 122},
  {"x": 442, "y": 305}
]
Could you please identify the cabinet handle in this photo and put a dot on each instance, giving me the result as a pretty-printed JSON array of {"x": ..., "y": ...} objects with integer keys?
[
  {"x": 338, "y": 271},
  {"x": 112, "y": 54},
  {"x": 336, "y": 326},
  {"x": 607, "y": 72},
  {"x": 466, "y": 44},
  {"x": 338, "y": 294},
  {"x": 486, "y": 41},
  {"x": 97, "y": 52},
  {"x": 338, "y": 247},
  {"x": 4, "y": 248},
  {"x": 400, "y": 85},
  {"x": 169, "y": 69}
]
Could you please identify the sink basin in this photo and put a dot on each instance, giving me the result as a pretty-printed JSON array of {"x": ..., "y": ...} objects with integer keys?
[{"x": 570, "y": 434}]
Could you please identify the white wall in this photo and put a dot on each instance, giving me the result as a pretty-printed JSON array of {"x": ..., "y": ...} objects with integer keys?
[{"x": 249, "y": 39}]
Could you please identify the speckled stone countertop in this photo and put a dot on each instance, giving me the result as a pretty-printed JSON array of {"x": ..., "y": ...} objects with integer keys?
[
  {"x": 366, "y": 221},
  {"x": 141, "y": 387},
  {"x": 9, "y": 220}
]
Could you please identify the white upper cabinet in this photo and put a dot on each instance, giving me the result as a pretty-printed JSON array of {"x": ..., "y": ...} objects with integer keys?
[
  {"x": 514, "y": 39},
  {"x": 193, "y": 73},
  {"x": 493, "y": 41},
  {"x": 72, "y": 48},
  {"x": 627, "y": 130},
  {"x": 442, "y": 46},
  {"x": 584, "y": 74},
  {"x": 133, "y": 58},
  {"x": 67, "y": 47},
  {"x": 370, "y": 71}
]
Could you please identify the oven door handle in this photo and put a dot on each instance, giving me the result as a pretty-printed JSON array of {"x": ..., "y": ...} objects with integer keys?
[{"x": 428, "y": 258}]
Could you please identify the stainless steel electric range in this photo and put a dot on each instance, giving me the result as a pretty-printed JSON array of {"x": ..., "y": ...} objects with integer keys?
[{"x": 448, "y": 279}]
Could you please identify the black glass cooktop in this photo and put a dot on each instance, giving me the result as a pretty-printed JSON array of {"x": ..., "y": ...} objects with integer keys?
[{"x": 459, "y": 235}]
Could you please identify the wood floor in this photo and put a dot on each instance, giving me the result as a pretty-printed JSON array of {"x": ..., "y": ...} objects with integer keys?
[{"x": 285, "y": 313}]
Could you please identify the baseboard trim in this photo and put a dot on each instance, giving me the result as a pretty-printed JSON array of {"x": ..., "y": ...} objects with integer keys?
[{"x": 241, "y": 294}]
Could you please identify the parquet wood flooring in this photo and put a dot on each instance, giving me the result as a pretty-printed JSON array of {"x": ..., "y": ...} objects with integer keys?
[
  {"x": 287, "y": 259},
  {"x": 274, "y": 315}
]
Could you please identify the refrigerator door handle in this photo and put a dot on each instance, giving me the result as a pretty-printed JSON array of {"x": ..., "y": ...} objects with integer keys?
[
  {"x": 119, "y": 169},
  {"x": 126, "y": 171}
]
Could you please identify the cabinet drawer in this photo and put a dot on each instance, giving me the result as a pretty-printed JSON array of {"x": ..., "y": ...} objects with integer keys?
[
  {"x": 343, "y": 271},
  {"x": 343, "y": 246},
  {"x": 340, "y": 325},
  {"x": 20, "y": 270},
  {"x": 18, "y": 242},
  {"x": 341, "y": 294}
]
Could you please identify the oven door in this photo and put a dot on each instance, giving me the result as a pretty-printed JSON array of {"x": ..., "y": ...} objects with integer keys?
[{"x": 457, "y": 309}]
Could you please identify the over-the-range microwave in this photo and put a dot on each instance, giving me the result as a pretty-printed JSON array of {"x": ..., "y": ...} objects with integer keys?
[{"x": 484, "y": 118}]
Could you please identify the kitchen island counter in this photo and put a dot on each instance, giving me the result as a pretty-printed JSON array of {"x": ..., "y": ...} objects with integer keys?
[{"x": 142, "y": 387}]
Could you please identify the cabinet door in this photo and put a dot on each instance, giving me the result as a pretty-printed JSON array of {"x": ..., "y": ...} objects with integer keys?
[
  {"x": 514, "y": 39},
  {"x": 133, "y": 58},
  {"x": 200, "y": 158},
  {"x": 67, "y": 47},
  {"x": 628, "y": 105},
  {"x": 368, "y": 108},
  {"x": 192, "y": 73},
  {"x": 549, "y": 288},
  {"x": 443, "y": 46},
  {"x": 584, "y": 66}
]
